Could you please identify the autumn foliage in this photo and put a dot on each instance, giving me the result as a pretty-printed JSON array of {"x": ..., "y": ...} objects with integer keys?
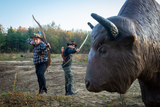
[{"x": 14, "y": 40}]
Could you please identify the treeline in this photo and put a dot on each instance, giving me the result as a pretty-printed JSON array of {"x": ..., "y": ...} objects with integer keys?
[{"x": 14, "y": 40}]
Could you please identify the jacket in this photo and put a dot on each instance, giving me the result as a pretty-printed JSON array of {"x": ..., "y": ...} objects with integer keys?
[{"x": 68, "y": 51}]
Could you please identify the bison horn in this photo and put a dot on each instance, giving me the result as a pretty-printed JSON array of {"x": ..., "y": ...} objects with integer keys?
[
  {"x": 108, "y": 25},
  {"x": 91, "y": 26}
]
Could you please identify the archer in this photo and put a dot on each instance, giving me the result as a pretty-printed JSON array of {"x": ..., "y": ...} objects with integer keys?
[
  {"x": 67, "y": 66},
  {"x": 40, "y": 60}
]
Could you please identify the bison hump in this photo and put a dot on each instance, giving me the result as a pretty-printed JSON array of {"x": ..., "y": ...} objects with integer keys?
[{"x": 146, "y": 16}]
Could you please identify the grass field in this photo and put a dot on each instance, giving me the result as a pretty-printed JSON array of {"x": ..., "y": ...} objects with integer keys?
[{"x": 19, "y": 86}]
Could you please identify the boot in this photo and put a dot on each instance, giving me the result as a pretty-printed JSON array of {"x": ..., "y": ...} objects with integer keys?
[
  {"x": 66, "y": 90},
  {"x": 69, "y": 89}
]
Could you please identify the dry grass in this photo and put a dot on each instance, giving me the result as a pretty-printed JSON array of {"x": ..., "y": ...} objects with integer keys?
[
  {"x": 10, "y": 99},
  {"x": 80, "y": 58},
  {"x": 15, "y": 56},
  {"x": 20, "y": 98}
]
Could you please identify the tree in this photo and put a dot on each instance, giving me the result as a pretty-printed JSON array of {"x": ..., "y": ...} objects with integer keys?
[{"x": 15, "y": 39}]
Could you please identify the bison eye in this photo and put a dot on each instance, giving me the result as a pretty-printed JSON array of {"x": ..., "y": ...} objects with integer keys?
[{"x": 102, "y": 49}]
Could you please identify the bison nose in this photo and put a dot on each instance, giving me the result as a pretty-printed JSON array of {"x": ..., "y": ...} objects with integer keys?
[
  {"x": 87, "y": 84},
  {"x": 90, "y": 86}
]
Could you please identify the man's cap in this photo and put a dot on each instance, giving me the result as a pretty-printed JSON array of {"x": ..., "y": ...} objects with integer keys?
[
  {"x": 71, "y": 43},
  {"x": 36, "y": 35}
]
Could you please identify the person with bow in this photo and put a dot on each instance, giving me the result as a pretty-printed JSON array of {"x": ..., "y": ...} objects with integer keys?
[
  {"x": 40, "y": 59},
  {"x": 66, "y": 65}
]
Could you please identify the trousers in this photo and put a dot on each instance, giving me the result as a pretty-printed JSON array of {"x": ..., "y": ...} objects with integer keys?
[
  {"x": 40, "y": 70},
  {"x": 68, "y": 75}
]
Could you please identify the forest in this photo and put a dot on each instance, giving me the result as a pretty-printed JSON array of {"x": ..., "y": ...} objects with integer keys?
[{"x": 14, "y": 40}]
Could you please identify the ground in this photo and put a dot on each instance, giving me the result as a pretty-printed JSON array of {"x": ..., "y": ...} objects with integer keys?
[{"x": 26, "y": 82}]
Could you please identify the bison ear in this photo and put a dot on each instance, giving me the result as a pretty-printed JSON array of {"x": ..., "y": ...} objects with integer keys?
[{"x": 127, "y": 41}]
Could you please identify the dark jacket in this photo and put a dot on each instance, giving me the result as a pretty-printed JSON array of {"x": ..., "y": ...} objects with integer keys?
[{"x": 68, "y": 51}]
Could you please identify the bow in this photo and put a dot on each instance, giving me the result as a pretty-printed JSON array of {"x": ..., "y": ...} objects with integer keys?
[
  {"x": 44, "y": 36},
  {"x": 83, "y": 42}
]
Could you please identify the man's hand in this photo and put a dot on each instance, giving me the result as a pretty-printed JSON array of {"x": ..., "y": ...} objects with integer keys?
[
  {"x": 32, "y": 42},
  {"x": 77, "y": 50},
  {"x": 48, "y": 45}
]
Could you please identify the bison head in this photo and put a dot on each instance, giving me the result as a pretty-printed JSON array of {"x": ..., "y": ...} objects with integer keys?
[{"x": 112, "y": 60}]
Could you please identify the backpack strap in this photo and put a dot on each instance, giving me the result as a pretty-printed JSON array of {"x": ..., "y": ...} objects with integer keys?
[
  {"x": 64, "y": 58},
  {"x": 67, "y": 56},
  {"x": 41, "y": 55}
]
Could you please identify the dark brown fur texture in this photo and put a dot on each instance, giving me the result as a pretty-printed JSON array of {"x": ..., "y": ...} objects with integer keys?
[{"x": 113, "y": 65}]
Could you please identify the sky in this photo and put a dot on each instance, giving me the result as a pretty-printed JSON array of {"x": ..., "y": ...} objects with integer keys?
[{"x": 69, "y": 14}]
